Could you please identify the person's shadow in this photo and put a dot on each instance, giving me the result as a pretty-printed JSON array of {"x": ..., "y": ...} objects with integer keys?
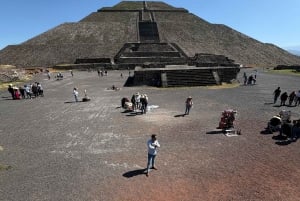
[
  {"x": 73, "y": 101},
  {"x": 180, "y": 115},
  {"x": 134, "y": 173}
]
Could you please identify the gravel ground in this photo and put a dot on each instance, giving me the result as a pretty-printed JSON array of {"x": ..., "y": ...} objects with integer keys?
[{"x": 60, "y": 150}]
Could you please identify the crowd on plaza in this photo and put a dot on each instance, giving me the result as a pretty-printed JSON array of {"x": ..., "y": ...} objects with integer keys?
[
  {"x": 138, "y": 102},
  {"x": 28, "y": 91},
  {"x": 251, "y": 79}
]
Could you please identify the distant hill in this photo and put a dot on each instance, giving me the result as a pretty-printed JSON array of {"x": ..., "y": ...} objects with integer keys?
[
  {"x": 103, "y": 33},
  {"x": 294, "y": 50}
]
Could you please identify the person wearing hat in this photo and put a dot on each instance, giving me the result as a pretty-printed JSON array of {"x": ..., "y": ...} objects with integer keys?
[
  {"x": 152, "y": 145},
  {"x": 188, "y": 105}
]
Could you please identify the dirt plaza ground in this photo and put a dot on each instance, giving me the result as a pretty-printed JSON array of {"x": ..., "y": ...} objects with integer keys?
[{"x": 88, "y": 151}]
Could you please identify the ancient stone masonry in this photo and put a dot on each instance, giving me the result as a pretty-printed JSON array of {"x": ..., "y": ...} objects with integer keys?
[{"x": 150, "y": 35}]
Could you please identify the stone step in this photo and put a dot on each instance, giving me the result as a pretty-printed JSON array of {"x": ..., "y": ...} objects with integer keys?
[
  {"x": 142, "y": 60},
  {"x": 150, "y": 54},
  {"x": 190, "y": 78}
]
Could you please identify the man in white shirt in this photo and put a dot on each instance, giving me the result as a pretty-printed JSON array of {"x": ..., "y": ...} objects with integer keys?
[
  {"x": 152, "y": 152},
  {"x": 75, "y": 93}
]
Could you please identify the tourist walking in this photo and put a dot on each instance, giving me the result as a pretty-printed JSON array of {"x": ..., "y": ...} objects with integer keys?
[
  {"x": 292, "y": 97},
  {"x": 28, "y": 91},
  {"x": 276, "y": 94},
  {"x": 152, "y": 145},
  {"x": 75, "y": 93},
  {"x": 11, "y": 91},
  {"x": 188, "y": 105},
  {"x": 284, "y": 96}
]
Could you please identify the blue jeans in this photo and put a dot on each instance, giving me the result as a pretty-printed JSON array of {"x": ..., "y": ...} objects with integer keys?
[
  {"x": 187, "y": 109},
  {"x": 151, "y": 159}
]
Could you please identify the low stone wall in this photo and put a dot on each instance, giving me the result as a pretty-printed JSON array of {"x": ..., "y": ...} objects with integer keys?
[
  {"x": 83, "y": 66},
  {"x": 149, "y": 54},
  {"x": 283, "y": 67},
  {"x": 210, "y": 60},
  {"x": 177, "y": 76}
]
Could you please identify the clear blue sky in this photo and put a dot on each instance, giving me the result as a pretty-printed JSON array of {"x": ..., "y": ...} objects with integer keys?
[{"x": 269, "y": 21}]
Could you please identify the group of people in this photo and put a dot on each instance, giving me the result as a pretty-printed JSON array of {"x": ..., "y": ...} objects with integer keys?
[
  {"x": 28, "y": 91},
  {"x": 140, "y": 102},
  {"x": 137, "y": 102},
  {"x": 292, "y": 98},
  {"x": 251, "y": 79},
  {"x": 101, "y": 73},
  {"x": 283, "y": 123}
]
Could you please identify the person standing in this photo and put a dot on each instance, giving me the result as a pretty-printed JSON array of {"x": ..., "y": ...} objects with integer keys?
[
  {"x": 75, "y": 93},
  {"x": 276, "y": 94},
  {"x": 152, "y": 145},
  {"x": 28, "y": 91},
  {"x": 22, "y": 91},
  {"x": 292, "y": 97},
  {"x": 72, "y": 73},
  {"x": 48, "y": 75},
  {"x": 11, "y": 91},
  {"x": 245, "y": 78},
  {"x": 188, "y": 105},
  {"x": 284, "y": 96},
  {"x": 144, "y": 103}
]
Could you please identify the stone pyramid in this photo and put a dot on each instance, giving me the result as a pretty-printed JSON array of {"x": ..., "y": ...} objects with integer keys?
[{"x": 111, "y": 34}]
